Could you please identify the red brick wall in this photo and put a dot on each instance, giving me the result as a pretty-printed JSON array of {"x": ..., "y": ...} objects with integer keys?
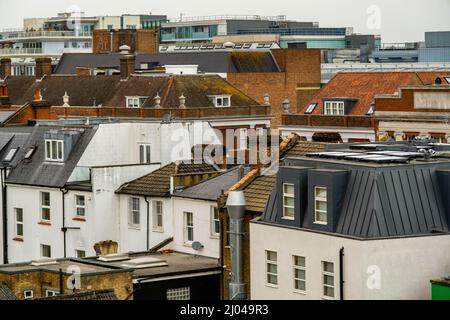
[
  {"x": 300, "y": 69},
  {"x": 405, "y": 102},
  {"x": 142, "y": 41}
]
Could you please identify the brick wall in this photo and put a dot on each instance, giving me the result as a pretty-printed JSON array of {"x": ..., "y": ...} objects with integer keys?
[
  {"x": 141, "y": 41},
  {"x": 299, "y": 80}
]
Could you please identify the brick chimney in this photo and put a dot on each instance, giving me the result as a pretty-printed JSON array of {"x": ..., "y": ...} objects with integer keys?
[
  {"x": 5, "y": 68},
  {"x": 127, "y": 64},
  {"x": 4, "y": 96},
  {"x": 43, "y": 67},
  {"x": 42, "y": 109}
]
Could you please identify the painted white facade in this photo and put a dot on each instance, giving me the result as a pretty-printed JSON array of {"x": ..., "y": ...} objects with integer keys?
[
  {"x": 346, "y": 133},
  {"x": 203, "y": 231},
  {"x": 373, "y": 269}
]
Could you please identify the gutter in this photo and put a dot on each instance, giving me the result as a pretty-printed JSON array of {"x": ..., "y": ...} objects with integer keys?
[
  {"x": 341, "y": 274},
  {"x": 5, "y": 217},
  {"x": 148, "y": 222}
]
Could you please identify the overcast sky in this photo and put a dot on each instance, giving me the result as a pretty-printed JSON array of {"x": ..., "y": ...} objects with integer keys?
[{"x": 400, "y": 20}]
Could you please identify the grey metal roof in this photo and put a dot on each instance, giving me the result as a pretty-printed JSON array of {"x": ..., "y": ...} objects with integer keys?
[
  {"x": 211, "y": 62},
  {"x": 212, "y": 188},
  {"x": 377, "y": 201},
  {"x": 5, "y": 114},
  {"x": 6, "y": 293},
  {"x": 37, "y": 171}
]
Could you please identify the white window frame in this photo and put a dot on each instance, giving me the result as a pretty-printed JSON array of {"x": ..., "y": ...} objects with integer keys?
[
  {"x": 77, "y": 251},
  {"x": 219, "y": 101},
  {"x": 296, "y": 267},
  {"x": 188, "y": 226},
  {"x": 51, "y": 293},
  {"x": 243, "y": 139},
  {"x": 324, "y": 285},
  {"x": 178, "y": 294},
  {"x": 311, "y": 108},
  {"x": 134, "y": 102},
  {"x": 371, "y": 111},
  {"x": 18, "y": 223},
  {"x": 11, "y": 154},
  {"x": 268, "y": 264},
  {"x": 28, "y": 294},
  {"x": 145, "y": 153},
  {"x": 285, "y": 196},
  {"x": 334, "y": 108},
  {"x": 45, "y": 246},
  {"x": 78, "y": 206},
  {"x": 44, "y": 206},
  {"x": 133, "y": 213},
  {"x": 318, "y": 211},
  {"x": 155, "y": 205},
  {"x": 215, "y": 222},
  {"x": 49, "y": 146}
]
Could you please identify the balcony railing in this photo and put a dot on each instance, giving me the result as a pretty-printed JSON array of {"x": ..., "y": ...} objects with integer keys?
[
  {"x": 328, "y": 121},
  {"x": 228, "y": 17},
  {"x": 21, "y": 51},
  {"x": 50, "y": 34},
  {"x": 153, "y": 113}
]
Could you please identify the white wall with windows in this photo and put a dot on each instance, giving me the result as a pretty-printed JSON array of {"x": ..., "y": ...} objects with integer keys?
[
  {"x": 203, "y": 227},
  {"x": 159, "y": 226},
  {"x": 308, "y": 265}
]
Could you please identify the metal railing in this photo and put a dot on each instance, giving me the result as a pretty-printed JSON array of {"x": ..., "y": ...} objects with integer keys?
[
  {"x": 21, "y": 51},
  {"x": 228, "y": 17},
  {"x": 51, "y": 34}
]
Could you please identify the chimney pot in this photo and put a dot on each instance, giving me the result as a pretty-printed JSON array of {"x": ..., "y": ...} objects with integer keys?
[
  {"x": 267, "y": 99},
  {"x": 157, "y": 101},
  {"x": 286, "y": 106},
  {"x": 182, "y": 101}
]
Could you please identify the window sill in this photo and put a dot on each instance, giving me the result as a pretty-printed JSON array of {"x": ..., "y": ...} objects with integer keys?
[
  {"x": 321, "y": 223},
  {"x": 80, "y": 219},
  {"x": 288, "y": 218},
  {"x": 44, "y": 223},
  {"x": 273, "y": 286},
  {"x": 300, "y": 292},
  {"x": 18, "y": 239},
  {"x": 158, "y": 230},
  {"x": 188, "y": 244},
  {"x": 137, "y": 228},
  {"x": 215, "y": 236}
]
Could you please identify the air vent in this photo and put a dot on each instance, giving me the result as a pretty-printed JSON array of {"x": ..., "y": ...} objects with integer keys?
[
  {"x": 43, "y": 262},
  {"x": 114, "y": 257},
  {"x": 145, "y": 262}
]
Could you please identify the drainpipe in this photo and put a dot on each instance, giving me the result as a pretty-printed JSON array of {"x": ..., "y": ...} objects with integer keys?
[
  {"x": 64, "y": 228},
  {"x": 148, "y": 223},
  {"x": 236, "y": 211},
  {"x": 5, "y": 217},
  {"x": 61, "y": 282},
  {"x": 341, "y": 274}
]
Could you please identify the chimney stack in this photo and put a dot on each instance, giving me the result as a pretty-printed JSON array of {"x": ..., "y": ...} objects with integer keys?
[
  {"x": 43, "y": 67},
  {"x": 4, "y": 96},
  {"x": 127, "y": 65},
  {"x": 5, "y": 68}
]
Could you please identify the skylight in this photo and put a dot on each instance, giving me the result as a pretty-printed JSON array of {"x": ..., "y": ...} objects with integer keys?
[
  {"x": 371, "y": 111},
  {"x": 10, "y": 155},
  {"x": 311, "y": 108},
  {"x": 447, "y": 79},
  {"x": 30, "y": 153}
]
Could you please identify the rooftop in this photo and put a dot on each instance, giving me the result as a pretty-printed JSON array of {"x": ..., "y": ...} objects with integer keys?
[
  {"x": 107, "y": 294},
  {"x": 6, "y": 293}
]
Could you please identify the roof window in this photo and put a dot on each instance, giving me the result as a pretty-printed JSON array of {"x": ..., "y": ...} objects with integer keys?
[{"x": 11, "y": 155}]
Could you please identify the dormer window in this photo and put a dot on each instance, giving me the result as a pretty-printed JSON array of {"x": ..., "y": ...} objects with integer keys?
[
  {"x": 311, "y": 108},
  {"x": 221, "y": 100},
  {"x": 320, "y": 205},
  {"x": 334, "y": 108},
  {"x": 54, "y": 150},
  {"x": 288, "y": 201},
  {"x": 135, "y": 102},
  {"x": 10, "y": 155}
]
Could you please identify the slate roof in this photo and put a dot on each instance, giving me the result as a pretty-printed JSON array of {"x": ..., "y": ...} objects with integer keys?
[
  {"x": 212, "y": 188},
  {"x": 157, "y": 183},
  {"x": 303, "y": 147},
  {"x": 209, "y": 62},
  {"x": 110, "y": 91},
  {"x": 11, "y": 138},
  {"x": 37, "y": 171},
  {"x": 6, "y": 293},
  {"x": 90, "y": 295},
  {"x": 364, "y": 86}
]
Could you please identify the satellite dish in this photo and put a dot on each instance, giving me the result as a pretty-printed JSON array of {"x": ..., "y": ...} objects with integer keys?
[{"x": 197, "y": 246}]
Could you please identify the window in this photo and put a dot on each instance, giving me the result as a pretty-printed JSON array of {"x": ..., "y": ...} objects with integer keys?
[
  {"x": 46, "y": 251},
  {"x": 80, "y": 205},
  {"x": 447, "y": 79},
  {"x": 299, "y": 273},
  {"x": 10, "y": 155},
  {"x": 51, "y": 293},
  {"x": 157, "y": 215},
  {"x": 188, "y": 227},
  {"x": 221, "y": 101},
  {"x": 320, "y": 205},
  {"x": 243, "y": 133},
  {"x": 54, "y": 150},
  {"x": 18, "y": 214},
  {"x": 310, "y": 108},
  {"x": 135, "y": 102},
  {"x": 371, "y": 111},
  {"x": 261, "y": 132},
  {"x": 288, "y": 201},
  {"x": 215, "y": 222},
  {"x": 334, "y": 108},
  {"x": 328, "y": 279},
  {"x": 144, "y": 153},
  {"x": 179, "y": 294},
  {"x": 80, "y": 254},
  {"x": 28, "y": 294},
  {"x": 30, "y": 153},
  {"x": 135, "y": 212},
  {"x": 271, "y": 268},
  {"x": 45, "y": 206}
]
